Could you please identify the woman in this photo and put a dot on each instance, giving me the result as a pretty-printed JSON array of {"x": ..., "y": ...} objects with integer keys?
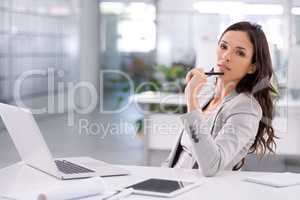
[{"x": 231, "y": 117}]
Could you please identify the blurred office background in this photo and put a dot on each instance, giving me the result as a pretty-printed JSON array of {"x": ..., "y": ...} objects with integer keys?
[{"x": 47, "y": 47}]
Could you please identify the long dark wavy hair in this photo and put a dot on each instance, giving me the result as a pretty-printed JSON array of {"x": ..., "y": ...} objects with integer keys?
[{"x": 259, "y": 84}]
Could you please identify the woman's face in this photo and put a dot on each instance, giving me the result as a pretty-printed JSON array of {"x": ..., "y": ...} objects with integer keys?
[{"x": 234, "y": 55}]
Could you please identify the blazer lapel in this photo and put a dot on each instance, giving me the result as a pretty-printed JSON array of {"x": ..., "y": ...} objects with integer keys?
[
  {"x": 170, "y": 159},
  {"x": 219, "y": 108}
]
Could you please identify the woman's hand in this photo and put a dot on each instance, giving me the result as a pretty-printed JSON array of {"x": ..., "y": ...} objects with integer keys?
[{"x": 195, "y": 80}]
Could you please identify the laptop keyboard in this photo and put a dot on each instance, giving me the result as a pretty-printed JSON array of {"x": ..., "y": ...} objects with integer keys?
[{"x": 67, "y": 167}]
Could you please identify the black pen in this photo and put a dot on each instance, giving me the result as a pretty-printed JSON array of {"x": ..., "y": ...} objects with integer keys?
[
  {"x": 213, "y": 73},
  {"x": 210, "y": 73}
]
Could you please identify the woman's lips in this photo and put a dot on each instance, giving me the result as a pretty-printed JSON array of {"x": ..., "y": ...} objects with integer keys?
[{"x": 223, "y": 67}]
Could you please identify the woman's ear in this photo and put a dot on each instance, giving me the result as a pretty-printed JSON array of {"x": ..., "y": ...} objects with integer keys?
[{"x": 252, "y": 69}]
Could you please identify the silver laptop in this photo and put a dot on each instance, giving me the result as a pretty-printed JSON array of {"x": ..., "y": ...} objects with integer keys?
[{"x": 34, "y": 151}]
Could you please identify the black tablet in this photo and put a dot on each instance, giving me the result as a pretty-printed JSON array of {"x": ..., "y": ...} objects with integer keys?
[{"x": 162, "y": 187}]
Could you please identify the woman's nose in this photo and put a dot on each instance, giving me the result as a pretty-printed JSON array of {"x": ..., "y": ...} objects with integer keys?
[{"x": 227, "y": 56}]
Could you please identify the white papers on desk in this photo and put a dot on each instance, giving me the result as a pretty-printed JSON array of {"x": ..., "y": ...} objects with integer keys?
[
  {"x": 277, "y": 179},
  {"x": 75, "y": 190}
]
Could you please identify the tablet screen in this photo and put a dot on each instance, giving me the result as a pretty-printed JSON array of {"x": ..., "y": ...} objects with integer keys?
[{"x": 160, "y": 185}]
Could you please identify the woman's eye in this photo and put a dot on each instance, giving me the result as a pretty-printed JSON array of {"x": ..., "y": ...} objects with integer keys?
[
  {"x": 241, "y": 53},
  {"x": 223, "y": 46}
]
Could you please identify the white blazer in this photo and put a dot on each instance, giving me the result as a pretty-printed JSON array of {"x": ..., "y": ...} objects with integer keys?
[{"x": 221, "y": 143}]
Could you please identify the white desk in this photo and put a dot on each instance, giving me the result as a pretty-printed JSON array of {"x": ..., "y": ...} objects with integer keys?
[
  {"x": 226, "y": 185},
  {"x": 150, "y": 97}
]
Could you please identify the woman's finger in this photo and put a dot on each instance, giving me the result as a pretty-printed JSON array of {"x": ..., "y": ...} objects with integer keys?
[
  {"x": 189, "y": 76},
  {"x": 198, "y": 72}
]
